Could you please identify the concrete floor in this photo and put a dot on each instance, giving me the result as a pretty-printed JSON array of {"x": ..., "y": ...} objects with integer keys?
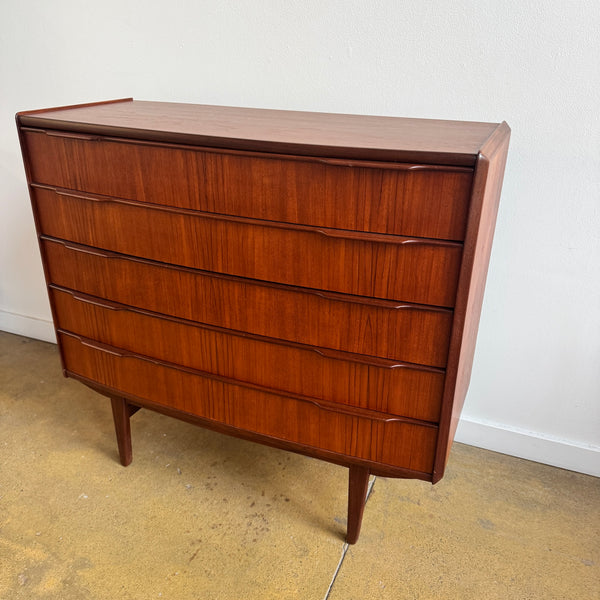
[{"x": 200, "y": 515}]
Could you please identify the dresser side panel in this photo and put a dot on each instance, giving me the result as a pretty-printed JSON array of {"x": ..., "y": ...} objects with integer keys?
[{"x": 487, "y": 186}]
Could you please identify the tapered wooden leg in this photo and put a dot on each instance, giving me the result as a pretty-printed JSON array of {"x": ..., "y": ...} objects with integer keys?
[
  {"x": 121, "y": 412},
  {"x": 358, "y": 483}
]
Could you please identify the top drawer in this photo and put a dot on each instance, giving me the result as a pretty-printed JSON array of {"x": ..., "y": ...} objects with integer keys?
[{"x": 411, "y": 200}]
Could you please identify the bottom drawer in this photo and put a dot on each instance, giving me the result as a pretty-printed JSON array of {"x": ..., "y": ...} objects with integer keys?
[{"x": 388, "y": 441}]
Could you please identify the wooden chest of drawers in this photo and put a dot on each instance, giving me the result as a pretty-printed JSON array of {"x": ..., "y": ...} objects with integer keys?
[{"x": 307, "y": 281}]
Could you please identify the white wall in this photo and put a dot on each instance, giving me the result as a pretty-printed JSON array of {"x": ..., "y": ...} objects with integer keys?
[{"x": 535, "y": 388}]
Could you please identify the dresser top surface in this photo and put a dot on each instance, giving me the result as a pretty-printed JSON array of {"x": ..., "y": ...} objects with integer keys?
[{"x": 304, "y": 133}]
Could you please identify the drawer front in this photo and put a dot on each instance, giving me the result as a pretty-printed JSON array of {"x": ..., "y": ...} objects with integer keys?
[
  {"x": 350, "y": 379},
  {"x": 395, "y": 443},
  {"x": 404, "y": 269},
  {"x": 412, "y": 200},
  {"x": 379, "y": 328}
]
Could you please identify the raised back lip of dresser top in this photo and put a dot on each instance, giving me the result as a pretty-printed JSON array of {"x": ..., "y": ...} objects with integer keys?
[{"x": 332, "y": 135}]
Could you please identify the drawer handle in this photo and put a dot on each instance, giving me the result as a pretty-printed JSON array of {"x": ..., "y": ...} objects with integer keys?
[
  {"x": 382, "y": 238},
  {"x": 379, "y": 302},
  {"x": 72, "y": 136},
  {"x": 81, "y": 195},
  {"x": 101, "y": 347},
  {"x": 360, "y": 300},
  {"x": 391, "y": 166},
  {"x": 82, "y": 249},
  {"x": 373, "y": 361},
  {"x": 72, "y": 195},
  {"x": 87, "y": 250},
  {"x": 104, "y": 304}
]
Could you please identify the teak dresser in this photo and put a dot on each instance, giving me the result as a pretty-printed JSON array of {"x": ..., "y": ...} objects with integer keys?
[{"x": 304, "y": 280}]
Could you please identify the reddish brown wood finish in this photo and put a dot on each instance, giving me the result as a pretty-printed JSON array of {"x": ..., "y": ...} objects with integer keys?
[
  {"x": 489, "y": 175},
  {"x": 369, "y": 436},
  {"x": 307, "y": 281},
  {"x": 382, "y": 385},
  {"x": 121, "y": 414},
  {"x": 360, "y": 137},
  {"x": 414, "y": 200},
  {"x": 358, "y": 484},
  {"x": 347, "y": 323},
  {"x": 375, "y": 468},
  {"x": 259, "y": 249},
  {"x": 20, "y": 116}
]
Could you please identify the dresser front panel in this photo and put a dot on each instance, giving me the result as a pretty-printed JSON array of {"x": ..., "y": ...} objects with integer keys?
[
  {"x": 390, "y": 442},
  {"x": 401, "y": 332},
  {"x": 404, "y": 199},
  {"x": 325, "y": 259},
  {"x": 352, "y": 379}
]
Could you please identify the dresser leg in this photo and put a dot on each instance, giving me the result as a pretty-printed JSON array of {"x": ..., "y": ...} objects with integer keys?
[
  {"x": 121, "y": 411},
  {"x": 358, "y": 483}
]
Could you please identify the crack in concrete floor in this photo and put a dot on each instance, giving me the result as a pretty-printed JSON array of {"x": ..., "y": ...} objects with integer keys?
[{"x": 346, "y": 545}]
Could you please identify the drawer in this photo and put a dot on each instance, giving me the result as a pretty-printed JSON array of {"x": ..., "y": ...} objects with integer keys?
[
  {"x": 398, "y": 331},
  {"x": 382, "y": 266},
  {"x": 357, "y": 380},
  {"x": 403, "y": 199},
  {"x": 363, "y": 435}
]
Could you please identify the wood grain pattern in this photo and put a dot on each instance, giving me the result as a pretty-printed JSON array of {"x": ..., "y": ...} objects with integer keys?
[
  {"x": 410, "y": 200},
  {"x": 375, "y": 468},
  {"x": 409, "y": 334},
  {"x": 121, "y": 414},
  {"x": 258, "y": 250},
  {"x": 290, "y": 132},
  {"x": 393, "y": 388},
  {"x": 396, "y": 443},
  {"x": 358, "y": 484}
]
